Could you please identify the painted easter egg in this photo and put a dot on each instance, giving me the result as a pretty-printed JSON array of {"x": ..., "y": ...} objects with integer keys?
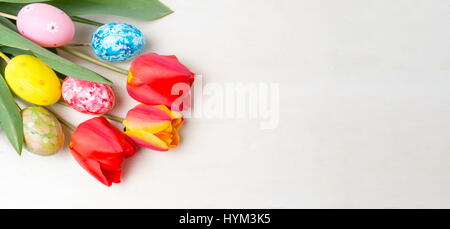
[
  {"x": 117, "y": 42},
  {"x": 88, "y": 97},
  {"x": 43, "y": 133},
  {"x": 45, "y": 25},
  {"x": 32, "y": 80}
]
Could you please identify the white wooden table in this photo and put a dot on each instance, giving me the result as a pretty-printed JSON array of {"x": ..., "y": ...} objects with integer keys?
[{"x": 364, "y": 112}]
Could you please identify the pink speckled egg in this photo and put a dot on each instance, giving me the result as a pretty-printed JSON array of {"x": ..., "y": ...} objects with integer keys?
[
  {"x": 88, "y": 97},
  {"x": 45, "y": 25}
]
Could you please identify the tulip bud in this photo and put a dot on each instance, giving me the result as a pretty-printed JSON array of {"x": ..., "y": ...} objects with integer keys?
[
  {"x": 88, "y": 97},
  {"x": 153, "y": 127},
  {"x": 42, "y": 131},
  {"x": 101, "y": 149},
  {"x": 160, "y": 80}
]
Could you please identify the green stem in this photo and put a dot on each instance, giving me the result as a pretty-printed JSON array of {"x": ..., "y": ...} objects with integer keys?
[
  {"x": 108, "y": 116},
  {"x": 86, "y": 21},
  {"x": 61, "y": 120},
  {"x": 63, "y": 103},
  {"x": 114, "y": 118},
  {"x": 18, "y": 107},
  {"x": 65, "y": 123},
  {"x": 94, "y": 61},
  {"x": 79, "y": 44},
  {"x": 8, "y": 16},
  {"x": 4, "y": 57}
]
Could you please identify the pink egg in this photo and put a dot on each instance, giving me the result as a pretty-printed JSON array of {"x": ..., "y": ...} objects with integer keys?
[
  {"x": 45, "y": 25},
  {"x": 88, "y": 97}
]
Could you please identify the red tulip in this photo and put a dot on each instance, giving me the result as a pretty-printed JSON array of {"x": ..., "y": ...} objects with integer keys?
[
  {"x": 160, "y": 80},
  {"x": 101, "y": 149}
]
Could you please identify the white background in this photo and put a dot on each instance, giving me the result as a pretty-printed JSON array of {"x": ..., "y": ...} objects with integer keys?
[{"x": 364, "y": 112}]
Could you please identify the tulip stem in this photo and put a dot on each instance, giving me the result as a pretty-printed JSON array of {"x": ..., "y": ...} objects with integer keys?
[
  {"x": 61, "y": 120},
  {"x": 4, "y": 57},
  {"x": 112, "y": 117},
  {"x": 93, "y": 60},
  {"x": 18, "y": 107},
  {"x": 79, "y": 44},
  {"x": 8, "y": 16},
  {"x": 86, "y": 21},
  {"x": 108, "y": 116},
  {"x": 62, "y": 103},
  {"x": 66, "y": 123}
]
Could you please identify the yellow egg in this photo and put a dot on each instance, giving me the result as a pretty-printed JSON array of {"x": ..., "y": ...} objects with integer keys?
[{"x": 32, "y": 80}]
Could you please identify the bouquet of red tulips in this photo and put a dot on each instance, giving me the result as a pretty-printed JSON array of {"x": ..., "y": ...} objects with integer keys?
[{"x": 31, "y": 35}]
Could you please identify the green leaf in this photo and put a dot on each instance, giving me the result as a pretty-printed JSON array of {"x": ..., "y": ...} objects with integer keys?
[
  {"x": 12, "y": 39},
  {"x": 6, "y": 22},
  {"x": 140, "y": 9},
  {"x": 14, "y": 51},
  {"x": 86, "y": 21},
  {"x": 10, "y": 8},
  {"x": 2, "y": 66},
  {"x": 24, "y": 1},
  {"x": 10, "y": 120}
]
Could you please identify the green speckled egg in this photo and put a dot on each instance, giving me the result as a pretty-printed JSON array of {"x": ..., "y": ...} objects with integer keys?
[{"x": 42, "y": 131}]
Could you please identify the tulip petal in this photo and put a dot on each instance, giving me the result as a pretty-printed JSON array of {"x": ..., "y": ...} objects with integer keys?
[
  {"x": 131, "y": 149},
  {"x": 146, "y": 139},
  {"x": 101, "y": 149},
  {"x": 152, "y": 78},
  {"x": 113, "y": 175},
  {"x": 147, "y": 118},
  {"x": 155, "y": 127},
  {"x": 144, "y": 114},
  {"x": 147, "y": 95},
  {"x": 177, "y": 123},
  {"x": 172, "y": 114},
  {"x": 176, "y": 140},
  {"x": 165, "y": 136},
  {"x": 152, "y": 127},
  {"x": 93, "y": 167},
  {"x": 111, "y": 163}
]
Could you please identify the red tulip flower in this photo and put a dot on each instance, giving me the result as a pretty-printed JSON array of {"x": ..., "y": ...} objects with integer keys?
[
  {"x": 160, "y": 80},
  {"x": 101, "y": 149}
]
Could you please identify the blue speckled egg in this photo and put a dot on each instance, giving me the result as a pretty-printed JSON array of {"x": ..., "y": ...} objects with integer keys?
[{"x": 117, "y": 42}]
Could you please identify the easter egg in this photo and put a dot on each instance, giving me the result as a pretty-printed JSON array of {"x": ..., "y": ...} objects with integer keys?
[
  {"x": 88, "y": 97},
  {"x": 45, "y": 25},
  {"x": 32, "y": 80},
  {"x": 117, "y": 42},
  {"x": 43, "y": 133}
]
